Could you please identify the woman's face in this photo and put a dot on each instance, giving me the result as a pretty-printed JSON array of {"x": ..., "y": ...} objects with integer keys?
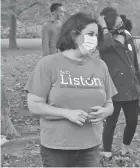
[
  {"x": 87, "y": 40},
  {"x": 90, "y": 30}
]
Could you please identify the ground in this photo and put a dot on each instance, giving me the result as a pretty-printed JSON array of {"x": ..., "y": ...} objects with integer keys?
[{"x": 24, "y": 152}]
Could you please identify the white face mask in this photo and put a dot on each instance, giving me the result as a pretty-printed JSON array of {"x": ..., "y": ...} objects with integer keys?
[{"x": 89, "y": 45}]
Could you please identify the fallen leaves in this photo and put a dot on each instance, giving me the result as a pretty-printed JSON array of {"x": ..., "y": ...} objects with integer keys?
[{"x": 15, "y": 71}]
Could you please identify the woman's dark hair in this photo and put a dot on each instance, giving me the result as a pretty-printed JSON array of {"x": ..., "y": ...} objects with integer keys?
[
  {"x": 76, "y": 23},
  {"x": 127, "y": 22},
  {"x": 129, "y": 25}
]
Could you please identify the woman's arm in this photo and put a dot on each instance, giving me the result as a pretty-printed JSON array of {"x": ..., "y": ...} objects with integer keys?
[
  {"x": 107, "y": 39},
  {"x": 38, "y": 106},
  {"x": 109, "y": 108}
]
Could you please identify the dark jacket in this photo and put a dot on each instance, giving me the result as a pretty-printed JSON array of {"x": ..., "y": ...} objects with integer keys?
[{"x": 123, "y": 66}]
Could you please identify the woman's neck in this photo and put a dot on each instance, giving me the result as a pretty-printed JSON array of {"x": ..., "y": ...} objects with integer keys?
[{"x": 75, "y": 55}]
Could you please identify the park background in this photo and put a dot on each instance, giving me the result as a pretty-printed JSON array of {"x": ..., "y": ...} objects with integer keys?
[{"x": 21, "y": 22}]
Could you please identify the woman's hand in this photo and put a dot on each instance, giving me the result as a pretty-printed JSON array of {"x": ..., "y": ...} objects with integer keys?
[
  {"x": 76, "y": 116},
  {"x": 97, "y": 115}
]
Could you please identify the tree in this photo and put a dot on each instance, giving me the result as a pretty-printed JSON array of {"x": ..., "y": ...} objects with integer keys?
[
  {"x": 12, "y": 33},
  {"x": 14, "y": 9}
]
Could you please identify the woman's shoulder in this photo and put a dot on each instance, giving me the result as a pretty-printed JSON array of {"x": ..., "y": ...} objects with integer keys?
[
  {"x": 50, "y": 60},
  {"x": 99, "y": 62}
]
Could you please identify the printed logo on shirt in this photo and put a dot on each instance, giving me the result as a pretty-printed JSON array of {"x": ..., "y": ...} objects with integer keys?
[{"x": 67, "y": 81}]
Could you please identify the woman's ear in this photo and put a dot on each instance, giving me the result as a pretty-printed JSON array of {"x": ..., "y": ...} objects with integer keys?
[
  {"x": 73, "y": 34},
  {"x": 74, "y": 37}
]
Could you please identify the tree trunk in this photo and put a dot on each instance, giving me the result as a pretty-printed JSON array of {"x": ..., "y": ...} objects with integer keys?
[
  {"x": 7, "y": 127},
  {"x": 12, "y": 33}
]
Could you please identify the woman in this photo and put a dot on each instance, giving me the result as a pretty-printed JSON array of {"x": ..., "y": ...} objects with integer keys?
[
  {"x": 127, "y": 22},
  {"x": 118, "y": 51},
  {"x": 66, "y": 89}
]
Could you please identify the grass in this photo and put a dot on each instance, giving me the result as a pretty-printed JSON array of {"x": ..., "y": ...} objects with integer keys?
[{"x": 16, "y": 68}]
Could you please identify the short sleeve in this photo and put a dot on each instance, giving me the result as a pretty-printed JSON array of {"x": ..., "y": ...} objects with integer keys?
[
  {"x": 39, "y": 82},
  {"x": 109, "y": 85}
]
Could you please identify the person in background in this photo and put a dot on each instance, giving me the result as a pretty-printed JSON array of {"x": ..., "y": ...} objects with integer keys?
[
  {"x": 71, "y": 91},
  {"x": 51, "y": 29},
  {"x": 127, "y": 22},
  {"x": 117, "y": 50}
]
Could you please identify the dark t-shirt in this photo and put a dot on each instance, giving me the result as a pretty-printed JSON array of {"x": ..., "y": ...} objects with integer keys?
[{"x": 70, "y": 84}]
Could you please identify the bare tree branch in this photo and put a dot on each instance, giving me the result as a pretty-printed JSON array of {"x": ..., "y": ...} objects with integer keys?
[{"x": 20, "y": 12}]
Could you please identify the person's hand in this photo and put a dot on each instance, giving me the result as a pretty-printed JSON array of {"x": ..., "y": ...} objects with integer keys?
[
  {"x": 102, "y": 21},
  {"x": 76, "y": 116},
  {"x": 97, "y": 115}
]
